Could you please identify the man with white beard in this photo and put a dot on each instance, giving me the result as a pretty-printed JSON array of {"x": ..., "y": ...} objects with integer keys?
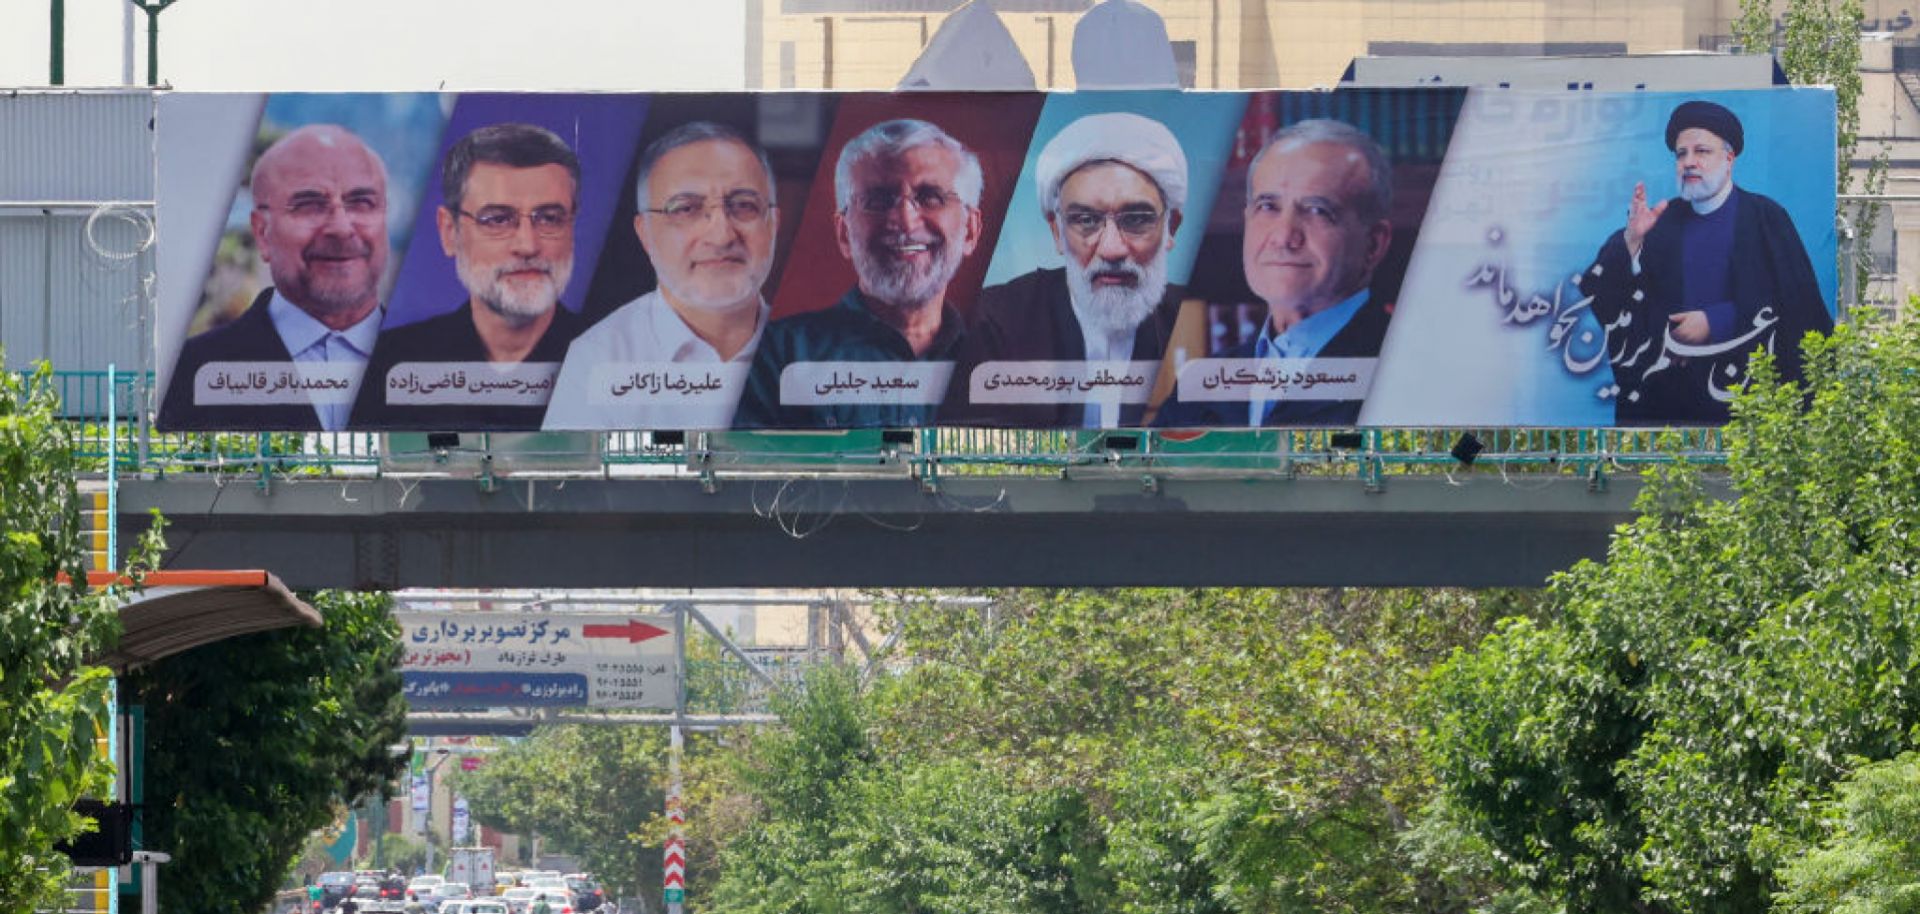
[
  {"x": 511, "y": 192},
  {"x": 676, "y": 357},
  {"x": 1113, "y": 188},
  {"x": 907, "y": 213},
  {"x": 1692, "y": 285}
]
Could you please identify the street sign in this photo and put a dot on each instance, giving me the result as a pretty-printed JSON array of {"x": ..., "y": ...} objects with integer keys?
[{"x": 490, "y": 660}]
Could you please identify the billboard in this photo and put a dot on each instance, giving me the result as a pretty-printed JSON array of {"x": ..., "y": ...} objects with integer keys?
[
  {"x": 1362, "y": 257},
  {"x": 499, "y": 660}
]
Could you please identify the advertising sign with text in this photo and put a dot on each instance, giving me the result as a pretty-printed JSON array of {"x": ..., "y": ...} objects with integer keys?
[{"x": 1360, "y": 257}]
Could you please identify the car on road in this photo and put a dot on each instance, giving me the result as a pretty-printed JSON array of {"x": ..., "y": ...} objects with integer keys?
[
  {"x": 334, "y": 886},
  {"x": 518, "y": 899},
  {"x": 586, "y": 892}
]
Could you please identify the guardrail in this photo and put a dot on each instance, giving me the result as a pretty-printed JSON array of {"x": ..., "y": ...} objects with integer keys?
[{"x": 89, "y": 399}]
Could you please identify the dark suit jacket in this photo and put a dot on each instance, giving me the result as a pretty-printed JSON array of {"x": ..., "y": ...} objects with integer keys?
[
  {"x": 452, "y": 337},
  {"x": 1770, "y": 269},
  {"x": 1359, "y": 339},
  {"x": 251, "y": 338},
  {"x": 1030, "y": 318}
]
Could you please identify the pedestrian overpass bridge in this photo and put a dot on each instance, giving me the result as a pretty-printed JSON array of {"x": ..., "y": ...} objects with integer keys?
[{"x": 905, "y": 508}]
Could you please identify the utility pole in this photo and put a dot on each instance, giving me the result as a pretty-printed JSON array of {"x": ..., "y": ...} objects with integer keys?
[
  {"x": 57, "y": 54},
  {"x": 153, "y": 9}
]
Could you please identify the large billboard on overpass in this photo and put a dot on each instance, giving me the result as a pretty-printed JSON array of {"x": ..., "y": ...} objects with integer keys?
[{"x": 1362, "y": 257}]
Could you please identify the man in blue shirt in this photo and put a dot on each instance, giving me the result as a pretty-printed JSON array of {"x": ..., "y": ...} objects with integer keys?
[
  {"x": 1318, "y": 198},
  {"x": 320, "y": 221}
]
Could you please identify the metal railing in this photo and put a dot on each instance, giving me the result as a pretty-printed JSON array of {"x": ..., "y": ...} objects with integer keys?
[{"x": 931, "y": 454}]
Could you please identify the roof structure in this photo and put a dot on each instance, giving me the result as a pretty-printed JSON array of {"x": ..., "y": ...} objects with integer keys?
[{"x": 181, "y": 610}]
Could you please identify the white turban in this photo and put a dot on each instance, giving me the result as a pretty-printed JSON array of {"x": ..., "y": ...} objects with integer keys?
[{"x": 1143, "y": 143}]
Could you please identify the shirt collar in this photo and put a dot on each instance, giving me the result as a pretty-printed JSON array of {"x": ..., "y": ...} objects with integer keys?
[
  {"x": 680, "y": 343},
  {"x": 943, "y": 341},
  {"x": 299, "y": 331},
  {"x": 1304, "y": 340}
]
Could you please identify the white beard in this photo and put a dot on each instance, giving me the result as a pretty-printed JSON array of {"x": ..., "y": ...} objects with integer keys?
[
  {"x": 898, "y": 285},
  {"x": 1112, "y": 310},
  {"x": 519, "y": 304}
]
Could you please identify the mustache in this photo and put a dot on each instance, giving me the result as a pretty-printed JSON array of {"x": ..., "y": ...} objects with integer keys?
[
  {"x": 1117, "y": 269},
  {"x": 540, "y": 264},
  {"x": 336, "y": 248},
  {"x": 886, "y": 241}
]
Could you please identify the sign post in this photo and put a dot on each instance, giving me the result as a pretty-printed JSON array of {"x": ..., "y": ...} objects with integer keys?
[{"x": 673, "y": 864}]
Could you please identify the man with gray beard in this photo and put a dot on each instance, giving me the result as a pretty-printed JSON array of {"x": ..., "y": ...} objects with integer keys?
[
  {"x": 908, "y": 212},
  {"x": 1112, "y": 187},
  {"x": 511, "y": 192}
]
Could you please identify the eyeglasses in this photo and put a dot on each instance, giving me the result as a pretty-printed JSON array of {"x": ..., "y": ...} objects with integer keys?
[
  {"x": 742, "y": 208},
  {"x": 1134, "y": 222},
  {"x": 501, "y": 221},
  {"x": 927, "y": 199},
  {"x": 318, "y": 207}
]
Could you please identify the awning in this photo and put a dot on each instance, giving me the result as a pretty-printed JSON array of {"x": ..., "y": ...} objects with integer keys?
[{"x": 181, "y": 610}]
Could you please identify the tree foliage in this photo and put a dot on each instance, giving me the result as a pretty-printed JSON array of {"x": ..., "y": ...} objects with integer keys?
[
  {"x": 1109, "y": 751},
  {"x": 1662, "y": 744},
  {"x": 1869, "y": 860},
  {"x": 255, "y": 742},
  {"x": 53, "y": 705},
  {"x": 598, "y": 792}
]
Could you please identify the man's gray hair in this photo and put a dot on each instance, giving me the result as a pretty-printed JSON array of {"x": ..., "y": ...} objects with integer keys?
[
  {"x": 686, "y": 135},
  {"x": 895, "y": 138},
  {"x": 1378, "y": 201}
]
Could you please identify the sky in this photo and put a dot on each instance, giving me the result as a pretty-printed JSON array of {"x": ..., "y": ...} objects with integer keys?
[{"x": 283, "y": 45}]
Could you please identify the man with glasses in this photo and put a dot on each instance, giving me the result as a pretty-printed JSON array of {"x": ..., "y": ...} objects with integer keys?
[
  {"x": 1319, "y": 194},
  {"x": 509, "y": 196},
  {"x": 907, "y": 213},
  {"x": 1112, "y": 188},
  {"x": 294, "y": 359},
  {"x": 676, "y": 357},
  {"x": 1692, "y": 285}
]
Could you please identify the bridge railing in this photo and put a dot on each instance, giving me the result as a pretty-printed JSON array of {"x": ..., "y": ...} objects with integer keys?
[{"x": 89, "y": 398}]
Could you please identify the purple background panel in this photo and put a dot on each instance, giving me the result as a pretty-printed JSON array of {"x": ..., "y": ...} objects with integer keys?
[{"x": 603, "y": 129}]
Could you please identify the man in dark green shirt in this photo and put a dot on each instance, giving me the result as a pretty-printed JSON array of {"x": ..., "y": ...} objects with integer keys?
[{"x": 908, "y": 198}]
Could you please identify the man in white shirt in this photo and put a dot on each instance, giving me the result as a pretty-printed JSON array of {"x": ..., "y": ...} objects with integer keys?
[
  {"x": 320, "y": 222},
  {"x": 676, "y": 357}
]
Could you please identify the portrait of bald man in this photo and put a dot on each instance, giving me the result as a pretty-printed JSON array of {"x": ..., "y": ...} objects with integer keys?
[
  {"x": 319, "y": 221},
  {"x": 1113, "y": 190}
]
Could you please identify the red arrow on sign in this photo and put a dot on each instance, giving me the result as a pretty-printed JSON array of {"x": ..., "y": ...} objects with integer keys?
[{"x": 634, "y": 630}]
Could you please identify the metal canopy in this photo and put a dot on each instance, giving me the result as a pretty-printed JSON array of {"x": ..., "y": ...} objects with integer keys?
[{"x": 182, "y": 610}]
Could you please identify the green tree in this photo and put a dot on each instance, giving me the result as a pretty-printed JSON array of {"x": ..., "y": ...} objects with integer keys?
[
  {"x": 255, "y": 742},
  {"x": 53, "y": 705},
  {"x": 1187, "y": 752},
  {"x": 595, "y": 791},
  {"x": 1661, "y": 744},
  {"x": 1869, "y": 860}
]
